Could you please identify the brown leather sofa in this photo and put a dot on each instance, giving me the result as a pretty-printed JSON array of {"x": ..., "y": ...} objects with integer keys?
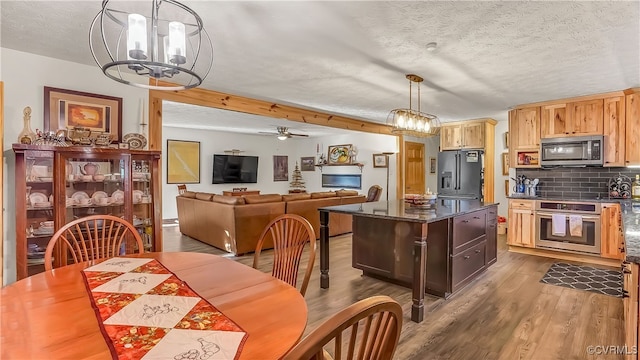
[{"x": 234, "y": 223}]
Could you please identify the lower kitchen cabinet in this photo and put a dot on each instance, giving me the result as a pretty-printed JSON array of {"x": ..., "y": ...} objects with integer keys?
[
  {"x": 611, "y": 241},
  {"x": 521, "y": 223},
  {"x": 630, "y": 300},
  {"x": 458, "y": 250}
]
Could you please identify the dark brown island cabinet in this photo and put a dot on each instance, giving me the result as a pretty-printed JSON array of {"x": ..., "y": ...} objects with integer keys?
[
  {"x": 458, "y": 249},
  {"x": 435, "y": 251}
]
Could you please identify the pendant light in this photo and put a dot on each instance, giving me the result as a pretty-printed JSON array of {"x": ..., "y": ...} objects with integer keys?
[{"x": 413, "y": 122}]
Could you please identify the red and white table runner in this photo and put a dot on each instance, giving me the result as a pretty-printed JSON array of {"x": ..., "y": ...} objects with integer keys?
[{"x": 146, "y": 312}]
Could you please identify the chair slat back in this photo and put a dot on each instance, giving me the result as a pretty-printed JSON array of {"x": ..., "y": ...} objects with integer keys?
[
  {"x": 93, "y": 237},
  {"x": 369, "y": 329},
  {"x": 290, "y": 234},
  {"x": 182, "y": 188}
]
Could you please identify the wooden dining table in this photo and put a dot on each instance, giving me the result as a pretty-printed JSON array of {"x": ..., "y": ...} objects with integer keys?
[{"x": 49, "y": 315}]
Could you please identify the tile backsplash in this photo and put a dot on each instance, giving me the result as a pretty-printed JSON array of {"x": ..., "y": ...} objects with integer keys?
[{"x": 578, "y": 183}]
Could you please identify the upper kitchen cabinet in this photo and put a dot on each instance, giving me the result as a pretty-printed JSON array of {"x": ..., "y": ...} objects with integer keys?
[
  {"x": 585, "y": 118},
  {"x": 580, "y": 118},
  {"x": 614, "y": 131},
  {"x": 616, "y": 115},
  {"x": 462, "y": 135},
  {"x": 524, "y": 133},
  {"x": 632, "y": 143}
]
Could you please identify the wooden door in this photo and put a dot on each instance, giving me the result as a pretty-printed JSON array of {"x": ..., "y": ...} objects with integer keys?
[
  {"x": 614, "y": 131},
  {"x": 586, "y": 117},
  {"x": 473, "y": 136},
  {"x": 553, "y": 122},
  {"x": 610, "y": 241},
  {"x": 528, "y": 135},
  {"x": 414, "y": 168},
  {"x": 450, "y": 137},
  {"x": 632, "y": 142}
]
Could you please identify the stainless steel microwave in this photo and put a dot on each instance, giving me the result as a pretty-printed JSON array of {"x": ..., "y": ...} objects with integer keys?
[{"x": 572, "y": 151}]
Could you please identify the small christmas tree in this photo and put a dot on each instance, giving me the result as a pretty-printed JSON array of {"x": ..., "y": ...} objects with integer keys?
[{"x": 297, "y": 185}]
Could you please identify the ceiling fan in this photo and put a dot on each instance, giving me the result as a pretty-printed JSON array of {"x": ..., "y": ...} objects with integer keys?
[{"x": 283, "y": 133}]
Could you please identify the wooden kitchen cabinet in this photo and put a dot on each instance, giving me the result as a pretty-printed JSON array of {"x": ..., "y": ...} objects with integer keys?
[
  {"x": 614, "y": 131},
  {"x": 632, "y": 142},
  {"x": 521, "y": 223},
  {"x": 580, "y": 118},
  {"x": 553, "y": 121},
  {"x": 450, "y": 137},
  {"x": 611, "y": 241},
  {"x": 524, "y": 133},
  {"x": 467, "y": 135},
  {"x": 585, "y": 118},
  {"x": 630, "y": 306}
]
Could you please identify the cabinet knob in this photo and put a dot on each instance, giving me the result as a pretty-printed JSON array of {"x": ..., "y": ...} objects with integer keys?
[
  {"x": 465, "y": 221},
  {"x": 476, "y": 217},
  {"x": 467, "y": 257},
  {"x": 477, "y": 251}
]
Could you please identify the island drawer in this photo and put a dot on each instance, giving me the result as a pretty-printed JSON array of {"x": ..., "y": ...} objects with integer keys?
[
  {"x": 466, "y": 264},
  {"x": 468, "y": 228}
]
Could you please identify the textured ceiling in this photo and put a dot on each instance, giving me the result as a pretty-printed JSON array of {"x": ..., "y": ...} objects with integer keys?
[{"x": 351, "y": 58}]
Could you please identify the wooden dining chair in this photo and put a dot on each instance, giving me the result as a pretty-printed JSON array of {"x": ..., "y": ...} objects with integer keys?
[
  {"x": 93, "y": 237},
  {"x": 368, "y": 329},
  {"x": 290, "y": 233},
  {"x": 182, "y": 188}
]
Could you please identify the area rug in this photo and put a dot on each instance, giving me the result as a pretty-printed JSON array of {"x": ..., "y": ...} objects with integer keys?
[{"x": 602, "y": 281}]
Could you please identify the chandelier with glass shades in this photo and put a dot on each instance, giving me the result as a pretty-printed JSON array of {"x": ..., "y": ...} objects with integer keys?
[
  {"x": 140, "y": 43},
  {"x": 413, "y": 122}
]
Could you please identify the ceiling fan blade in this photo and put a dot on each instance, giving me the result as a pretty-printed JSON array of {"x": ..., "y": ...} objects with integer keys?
[
  {"x": 268, "y": 133},
  {"x": 300, "y": 135}
]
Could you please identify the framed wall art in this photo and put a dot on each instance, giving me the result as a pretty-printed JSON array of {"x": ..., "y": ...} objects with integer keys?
[
  {"x": 432, "y": 165},
  {"x": 505, "y": 163},
  {"x": 308, "y": 163},
  {"x": 280, "y": 168},
  {"x": 340, "y": 154},
  {"x": 380, "y": 161},
  {"x": 69, "y": 109},
  {"x": 183, "y": 162}
]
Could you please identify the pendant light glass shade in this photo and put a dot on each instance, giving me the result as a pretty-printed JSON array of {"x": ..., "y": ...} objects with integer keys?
[
  {"x": 413, "y": 122},
  {"x": 140, "y": 43}
]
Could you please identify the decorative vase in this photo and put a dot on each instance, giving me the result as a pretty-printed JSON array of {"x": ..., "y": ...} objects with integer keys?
[{"x": 27, "y": 136}]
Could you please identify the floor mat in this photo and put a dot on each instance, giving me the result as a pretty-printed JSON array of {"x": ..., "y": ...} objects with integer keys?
[{"x": 603, "y": 281}]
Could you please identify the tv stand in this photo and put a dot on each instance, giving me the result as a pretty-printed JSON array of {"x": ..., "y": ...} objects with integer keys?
[{"x": 240, "y": 193}]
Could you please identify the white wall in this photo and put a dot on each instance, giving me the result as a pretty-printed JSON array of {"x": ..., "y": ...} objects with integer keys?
[
  {"x": 215, "y": 142},
  {"x": 501, "y": 127},
  {"x": 25, "y": 76}
]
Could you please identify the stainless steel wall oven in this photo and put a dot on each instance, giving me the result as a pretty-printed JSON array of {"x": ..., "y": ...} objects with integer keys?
[{"x": 586, "y": 220}]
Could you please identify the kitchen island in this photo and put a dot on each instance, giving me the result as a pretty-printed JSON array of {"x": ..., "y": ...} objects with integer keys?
[{"x": 438, "y": 250}]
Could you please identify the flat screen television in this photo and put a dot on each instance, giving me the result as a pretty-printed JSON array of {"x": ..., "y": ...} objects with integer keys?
[{"x": 234, "y": 169}]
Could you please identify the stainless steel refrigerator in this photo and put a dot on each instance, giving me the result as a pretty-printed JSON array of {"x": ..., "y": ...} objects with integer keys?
[{"x": 461, "y": 174}]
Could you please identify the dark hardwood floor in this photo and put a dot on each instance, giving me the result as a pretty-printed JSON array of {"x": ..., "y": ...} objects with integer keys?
[{"x": 505, "y": 314}]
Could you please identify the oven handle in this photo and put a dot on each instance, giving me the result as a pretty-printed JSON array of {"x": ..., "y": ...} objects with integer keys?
[{"x": 548, "y": 215}]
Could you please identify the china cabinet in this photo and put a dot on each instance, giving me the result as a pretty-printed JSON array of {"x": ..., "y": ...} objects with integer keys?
[{"x": 55, "y": 185}]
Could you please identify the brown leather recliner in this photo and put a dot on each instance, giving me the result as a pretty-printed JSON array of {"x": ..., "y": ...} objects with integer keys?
[{"x": 374, "y": 193}]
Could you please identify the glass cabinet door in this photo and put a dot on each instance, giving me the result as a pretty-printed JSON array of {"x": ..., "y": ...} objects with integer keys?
[
  {"x": 143, "y": 199},
  {"x": 39, "y": 207},
  {"x": 94, "y": 186}
]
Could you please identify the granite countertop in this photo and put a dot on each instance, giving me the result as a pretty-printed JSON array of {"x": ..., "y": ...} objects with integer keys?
[
  {"x": 631, "y": 229},
  {"x": 584, "y": 200},
  {"x": 399, "y": 210}
]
